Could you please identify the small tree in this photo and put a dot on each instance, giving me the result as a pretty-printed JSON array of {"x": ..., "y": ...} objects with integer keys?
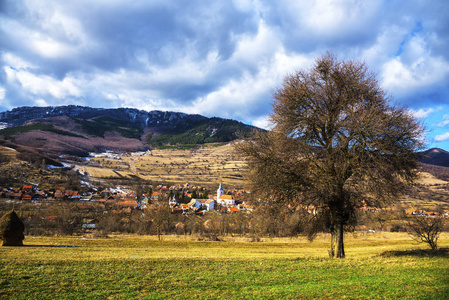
[
  {"x": 426, "y": 230},
  {"x": 337, "y": 140},
  {"x": 160, "y": 218}
]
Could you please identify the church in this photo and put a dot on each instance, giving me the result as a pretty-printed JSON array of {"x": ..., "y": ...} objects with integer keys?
[{"x": 222, "y": 199}]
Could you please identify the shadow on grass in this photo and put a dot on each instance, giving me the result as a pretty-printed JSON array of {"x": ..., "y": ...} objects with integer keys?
[
  {"x": 50, "y": 246},
  {"x": 442, "y": 252},
  {"x": 40, "y": 246}
]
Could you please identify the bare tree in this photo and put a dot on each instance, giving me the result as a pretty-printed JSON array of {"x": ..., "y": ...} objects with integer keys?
[
  {"x": 336, "y": 140},
  {"x": 426, "y": 230},
  {"x": 160, "y": 219}
]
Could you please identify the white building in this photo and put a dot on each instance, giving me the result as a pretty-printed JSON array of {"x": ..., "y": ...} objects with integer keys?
[
  {"x": 173, "y": 202},
  {"x": 203, "y": 204},
  {"x": 222, "y": 199}
]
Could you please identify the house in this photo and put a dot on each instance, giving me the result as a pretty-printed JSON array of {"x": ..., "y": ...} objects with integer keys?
[
  {"x": 154, "y": 196},
  {"x": 89, "y": 224},
  {"x": 74, "y": 195},
  {"x": 202, "y": 204},
  {"x": 185, "y": 208},
  {"x": 245, "y": 207},
  {"x": 233, "y": 209},
  {"x": 14, "y": 195},
  {"x": 59, "y": 194},
  {"x": 105, "y": 194},
  {"x": 207, "y": 204},
  {"x": 26, "y": 197},
  {"x": 27, "y": 188}
]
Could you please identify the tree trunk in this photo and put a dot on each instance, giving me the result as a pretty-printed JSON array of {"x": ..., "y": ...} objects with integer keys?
[
  {"x": 332, "y": 248},
  {"x": 340, "y": 245}
]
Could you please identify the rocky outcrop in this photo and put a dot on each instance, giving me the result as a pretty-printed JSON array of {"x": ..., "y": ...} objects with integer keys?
[{"x": 21, "y": 115}]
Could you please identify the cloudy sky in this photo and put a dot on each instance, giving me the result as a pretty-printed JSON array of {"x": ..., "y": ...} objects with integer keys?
[{"x": 218, "y": 58}]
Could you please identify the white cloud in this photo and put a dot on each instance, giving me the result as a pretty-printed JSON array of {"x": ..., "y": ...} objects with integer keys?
[
  {"x": 387, "y": 43},
  {"x": 263, "y": 122},
  {"x": 424, "y": 113},
  {"x": 41, "y": 102},
  {"x": 257, "y": 49},
  {"x": 48, "y": 47},
  {"x": 328, "y": 17},
  {"x": 2, "y": 93},
  {"x": 17, "y": 62},
  {"x": 240, "y": 97},
  {"x": 444, "y": 122},
  {"x": 44, "y": 85},
  {"x": 441, "y": 137},
  {"x": 414, "y": 70}
]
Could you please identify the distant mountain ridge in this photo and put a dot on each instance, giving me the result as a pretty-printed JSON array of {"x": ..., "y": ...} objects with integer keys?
[
  {"x": 79, "y": 130},
  {"x": 20, "y": 115},
  {"x": 435, "y": 156}
]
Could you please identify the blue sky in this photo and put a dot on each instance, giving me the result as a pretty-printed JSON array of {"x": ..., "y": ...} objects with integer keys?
[{"x": 218, "y": 58}]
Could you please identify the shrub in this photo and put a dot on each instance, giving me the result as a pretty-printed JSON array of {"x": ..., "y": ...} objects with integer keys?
[{"x": 426, "y": 230}]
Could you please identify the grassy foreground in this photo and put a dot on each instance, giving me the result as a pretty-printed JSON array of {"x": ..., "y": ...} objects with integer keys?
[{"x": 380, "y": 266}]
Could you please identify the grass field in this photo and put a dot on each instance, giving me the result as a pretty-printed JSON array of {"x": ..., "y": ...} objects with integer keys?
[{"x": 139, "y": 267}]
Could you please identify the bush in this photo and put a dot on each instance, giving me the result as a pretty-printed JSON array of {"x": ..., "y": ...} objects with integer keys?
[{"x": 426, "y": 230}]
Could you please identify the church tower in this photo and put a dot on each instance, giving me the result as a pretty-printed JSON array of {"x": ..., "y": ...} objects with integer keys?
[{"x": 220, "y": 192}]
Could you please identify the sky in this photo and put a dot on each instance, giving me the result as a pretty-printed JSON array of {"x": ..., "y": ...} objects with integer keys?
[{"x": 218, "y": 58}]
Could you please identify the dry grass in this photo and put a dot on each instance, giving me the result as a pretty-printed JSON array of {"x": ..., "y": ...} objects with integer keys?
[
  {"x": 8, "y": 152},
  {"x": 205, "y": 165},
  {"x": 428, "y": 179}
]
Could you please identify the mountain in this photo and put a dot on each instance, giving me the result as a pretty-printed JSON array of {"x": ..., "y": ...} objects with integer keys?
[
  {"x": 78, "y": 130},
  {"x": 435, "y": 156}
]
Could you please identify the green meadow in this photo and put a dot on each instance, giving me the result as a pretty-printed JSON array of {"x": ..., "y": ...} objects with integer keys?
[{"x": 378, "y": 266}]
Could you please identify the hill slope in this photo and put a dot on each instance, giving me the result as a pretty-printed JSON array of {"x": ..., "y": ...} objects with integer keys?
[
  {"x": 436, "y": 156},
  {"x": 78, "y": 130}
]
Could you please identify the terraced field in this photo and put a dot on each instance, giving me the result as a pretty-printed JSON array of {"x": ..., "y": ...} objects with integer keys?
[
  {"x": 207, "y": 165},
  {"x": 7, "y": 152}
]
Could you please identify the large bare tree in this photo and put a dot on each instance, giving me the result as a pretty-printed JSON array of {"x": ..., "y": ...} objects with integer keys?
[{"x": 336, "y": 140}]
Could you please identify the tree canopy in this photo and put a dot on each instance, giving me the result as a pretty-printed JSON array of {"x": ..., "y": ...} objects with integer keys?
[{"x": 337, "y": 139}]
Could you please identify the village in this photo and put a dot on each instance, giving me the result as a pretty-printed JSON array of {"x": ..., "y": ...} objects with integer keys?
[
  {"x": 193, "y": 199},
  {"x": 122, "y": 203}
]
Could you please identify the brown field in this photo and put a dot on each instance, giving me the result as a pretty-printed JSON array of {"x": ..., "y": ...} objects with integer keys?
[
  {"x": 206, "y": 165},
  {"x": 7, "y": 152},
  {"x": 429, "y": 194}
]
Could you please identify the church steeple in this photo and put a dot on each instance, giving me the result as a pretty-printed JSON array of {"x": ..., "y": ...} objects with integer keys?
[{"x": 220, "y": 192}]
